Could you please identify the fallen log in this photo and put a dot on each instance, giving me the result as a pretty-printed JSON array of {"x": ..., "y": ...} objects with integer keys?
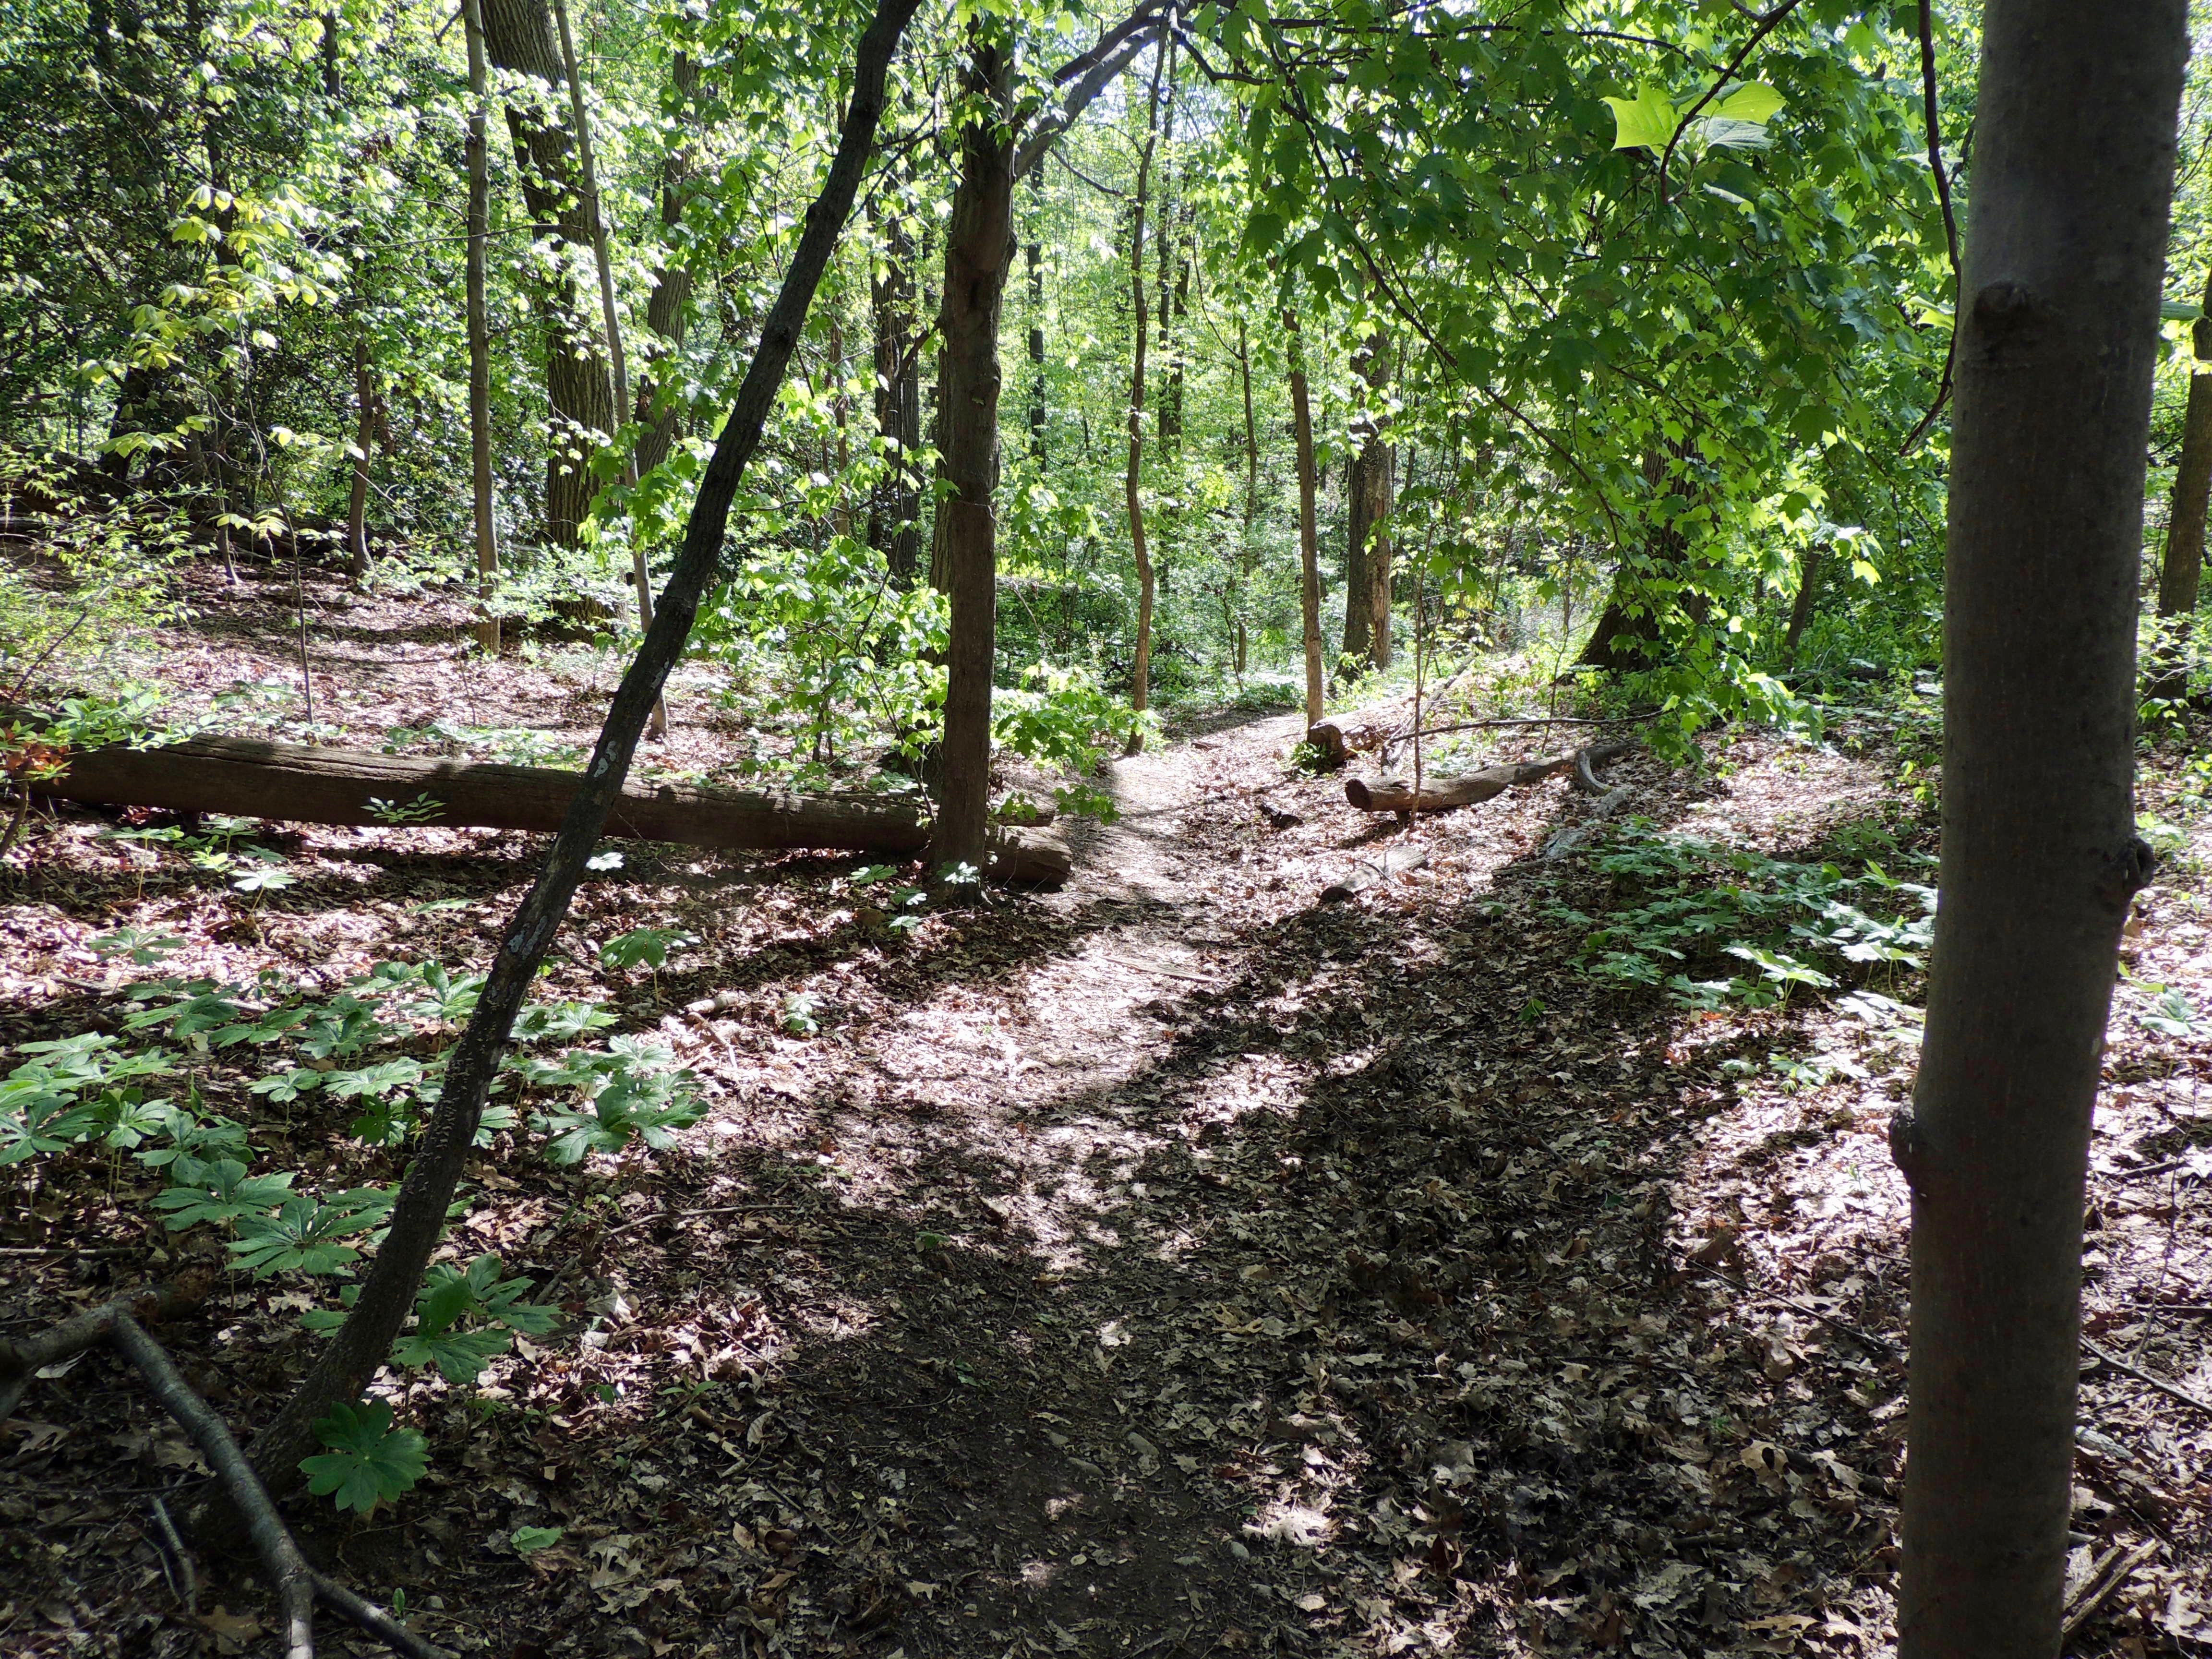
[
  {"x": 1441, "y": 794},
  {"x": 1373, "y": 872},
  {"x": 1340, "y": 737},
  {"x": 249, "y": 777}
]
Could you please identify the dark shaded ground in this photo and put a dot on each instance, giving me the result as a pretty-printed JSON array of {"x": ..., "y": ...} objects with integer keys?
[{"x": 1171, "y": 1268}]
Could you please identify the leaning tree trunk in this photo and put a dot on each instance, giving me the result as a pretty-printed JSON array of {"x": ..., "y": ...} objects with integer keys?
[
  {"x": 1801, "y": 608},
  {"x": 362, "y": 1345},
  {"x": 2184, "y": 565},
  {"x": 978, "y": 249},
  {"x": 1140, "y": 691},
  {"x": 519, "y": 35},
  {"x": 2057, "y": 338},
  {"x": 1373, "y": 492},
  {"x": 1308, "y": 532}
]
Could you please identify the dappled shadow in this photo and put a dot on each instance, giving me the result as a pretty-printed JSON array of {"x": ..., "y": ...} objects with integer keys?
[{"x": 1332, "y": 1303}]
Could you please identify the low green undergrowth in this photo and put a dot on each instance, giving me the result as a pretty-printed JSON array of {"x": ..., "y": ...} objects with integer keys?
[
  {"x": 1717, "y": 925},
  {"x": 362, "y": 1067}
]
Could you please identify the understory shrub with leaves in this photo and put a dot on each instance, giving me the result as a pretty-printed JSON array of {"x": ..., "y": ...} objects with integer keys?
[
  {"x": 372, "y": 1055},
  {"x": 1681, "y": 912}
]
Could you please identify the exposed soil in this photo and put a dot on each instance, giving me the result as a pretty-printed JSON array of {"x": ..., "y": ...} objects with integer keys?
[{"x": 1172, "y": 1266}]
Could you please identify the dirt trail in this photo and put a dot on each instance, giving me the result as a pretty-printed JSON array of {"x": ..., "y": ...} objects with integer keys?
[{"x": 1170, "y": 1267}]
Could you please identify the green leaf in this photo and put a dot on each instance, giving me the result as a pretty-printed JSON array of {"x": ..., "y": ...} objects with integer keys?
[
  {"x": 302, "y": 1236},
  {"x": 369, "y": 1462},
  {"x": 528, "y": 1540},
  {"x": 460, "y": 1356},
  {"x": 223, "y": 1192},
  {"x": 1756, "y": 103},
  {"x": 1646, "y": 121}
]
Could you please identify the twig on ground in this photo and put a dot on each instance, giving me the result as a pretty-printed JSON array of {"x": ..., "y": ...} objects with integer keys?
[
  {"x": 21, "y": 1361},
  {"x": 1865, "y": 1339},
  {"x": 2104, "y": 1578},
  {"x": 173, "y": 1549},
  {"x": 293, "y": 1577},
  {"x": 2170, "y": 1390},
  {"x": 297, "y": 1584},
  {"x": 688, "y": 1215}
]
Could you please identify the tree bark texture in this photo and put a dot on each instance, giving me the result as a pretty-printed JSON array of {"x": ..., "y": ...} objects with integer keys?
[
  {"x": 1373, "y": 492},
  {"x": 1309, "y": 529},
  {"x": 895, "y": 514},
  {"x": 362, "y": 1345},
  {"x": 668, "y": 307},
  {"x": 2057, "y": 337},
  {"x": 1140, "y": 692},
  {"x": 1629, "y": 629},
  {"x": 978, "y": 249},
  {"x": 364, "y": 444},
  {"x": 296, "y": 784},
  {"x": 1801, "y": 608},
  {"x": 520, "y": 38},
  {"x": 2184, "y": 565},
  {"x": 479, "y": 331}
]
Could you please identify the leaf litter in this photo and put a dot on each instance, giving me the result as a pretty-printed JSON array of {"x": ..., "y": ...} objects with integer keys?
[{"x": 1166, "y": 1267}]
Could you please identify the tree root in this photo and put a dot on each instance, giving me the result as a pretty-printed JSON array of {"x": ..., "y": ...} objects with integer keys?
[{"x": 298, "y": 1585}]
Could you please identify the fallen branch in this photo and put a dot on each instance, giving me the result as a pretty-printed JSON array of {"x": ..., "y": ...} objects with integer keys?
[
  {"x": 1372, "y": 872},
  {"x": 1388, "y": 725},
  {"x": 294, "y": 783},
  {"x": 298, "y": 1585},
  {"x": 2106, "y": 1578},
  {"x": 2170, "y": 1390},
  {"x": 1867, "y": 1340},
  {"x": 1441, "y": 794},
  {"x": 21, "y": 1361}
]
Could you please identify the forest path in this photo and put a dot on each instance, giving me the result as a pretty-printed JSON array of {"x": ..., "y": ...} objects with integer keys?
[{"x": 1172, "y": 1265}]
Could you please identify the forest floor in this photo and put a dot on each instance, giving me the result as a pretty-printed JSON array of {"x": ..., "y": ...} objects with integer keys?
[{"x": 1173, "y": 1265}]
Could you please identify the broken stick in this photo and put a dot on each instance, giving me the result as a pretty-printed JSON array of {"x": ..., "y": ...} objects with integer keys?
[{"x": 1441, "y": 794}]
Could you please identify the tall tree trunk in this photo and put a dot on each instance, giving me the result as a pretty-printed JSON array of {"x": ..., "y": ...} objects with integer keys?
[
  {"x": 2057, "y": 339},
  {"x": 1800, "y": 610},
  {"x": 1244, "y": 550},
  {"x": 618, "y": 365},
  {"x": 1132, "y": 477},
  {"x": 668, "y": 308},
  {"x": 1629, "y": 630},
  {"x": 1036, "y": 255},
  {"x": 1309, "y": 527},
  {"x": 1373, "y": 492},
  {"x": 978, "y": 249},
  {"x": 361, "y": 1345},
  {"x": 479, "y": 329},
  {"x": 520, "y": 38},
  {"x": 1175, "y": 310},
  {"x": 2184, "y": 564},
  {"x": 894, "y": 516},
  {"x": 364, "y": 442}
]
